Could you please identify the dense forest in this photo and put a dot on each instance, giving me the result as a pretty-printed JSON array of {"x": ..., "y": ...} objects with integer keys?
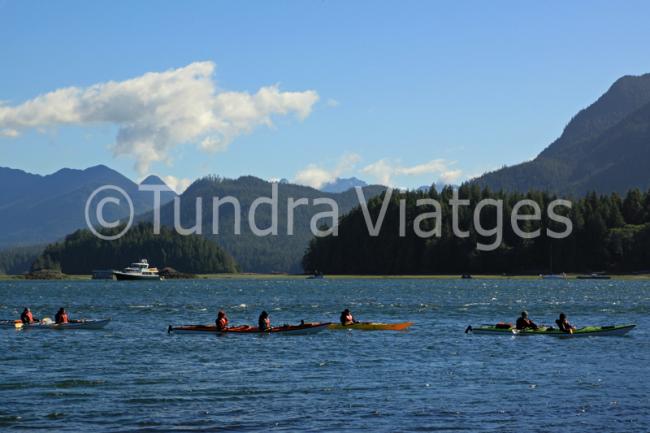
[
  {"x": 18, "y": 260},
  {"x": 81, "y": 252},
  {"x": 610, "y": 233}
]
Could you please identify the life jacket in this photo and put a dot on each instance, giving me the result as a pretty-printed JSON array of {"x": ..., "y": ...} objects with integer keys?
[
  {"x": 346, "y": 318},
  {"x": 61, "y": 318},
  {"x": 27, "y": 317},
  {"x": 264, "y": 324},
  {"x": 222, "y": 323}
]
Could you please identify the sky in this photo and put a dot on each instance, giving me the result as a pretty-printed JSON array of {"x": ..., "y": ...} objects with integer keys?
[{"x": 403, "y": 93}]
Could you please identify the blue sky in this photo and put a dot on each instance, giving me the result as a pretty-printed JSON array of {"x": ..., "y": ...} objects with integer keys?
[{"x": 408, "y": 92}]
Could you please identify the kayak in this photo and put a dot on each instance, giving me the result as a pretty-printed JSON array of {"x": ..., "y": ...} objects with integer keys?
[
  {"x": 306, "y": 328},
  {"x": 49, "y": 324},
  {"x": 586, "y": 331},
  {"x": 372, "y": 326},
  {"x": 11, "y": 324}
]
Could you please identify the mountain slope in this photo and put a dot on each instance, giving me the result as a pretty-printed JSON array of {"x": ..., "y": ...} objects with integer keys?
[
  {"x": 273, "y": 253},
  {"x": 602, "y": 148},
  {"x": 38, "y": 209}
]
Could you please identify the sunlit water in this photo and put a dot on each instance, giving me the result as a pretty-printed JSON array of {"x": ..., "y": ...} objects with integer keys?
[{"x": 133, "y": 376}]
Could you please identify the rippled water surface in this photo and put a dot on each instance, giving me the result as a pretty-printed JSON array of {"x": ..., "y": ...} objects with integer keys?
[{"x": 132, "y": 376}]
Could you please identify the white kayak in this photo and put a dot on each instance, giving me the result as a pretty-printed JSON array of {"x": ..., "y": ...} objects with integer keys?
[{"x": 49, "y": 324}]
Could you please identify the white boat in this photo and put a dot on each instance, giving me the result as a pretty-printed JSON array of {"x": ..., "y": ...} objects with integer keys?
[{"x": 138, "y": 271}]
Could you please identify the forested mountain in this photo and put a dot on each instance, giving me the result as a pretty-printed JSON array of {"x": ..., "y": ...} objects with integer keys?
[
  {"x": 38, "y": 209},
  {"x": 272, "y": 253},
  {"x": 81, "y": 252},
  {"x": 609, "y": 234},
  {"x": 18, "y": 260},
  {"x": 605, "y": 147}
]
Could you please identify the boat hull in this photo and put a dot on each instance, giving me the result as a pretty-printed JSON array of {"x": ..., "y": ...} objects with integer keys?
[
  {"x": 47, "y": 325},
  {"x": 307, "y": 328},
  {"x": 372, "y": 326},
  {"x": 123, "y": 276},
  {"x": 587, "y": 331}
]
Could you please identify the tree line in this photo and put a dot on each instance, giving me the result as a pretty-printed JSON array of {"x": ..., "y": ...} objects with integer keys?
[
  {"x": 609, "y": 233},
  {"x": 82, "y": 252}
]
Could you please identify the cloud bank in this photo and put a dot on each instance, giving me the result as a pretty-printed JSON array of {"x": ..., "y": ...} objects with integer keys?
[
  {"x": 385, "y": 170},
  {"x": 316, "y": 176},
  {"x": 158, "y": 111}
]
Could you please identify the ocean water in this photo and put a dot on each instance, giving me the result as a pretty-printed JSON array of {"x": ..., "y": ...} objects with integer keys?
[{"x": 133, "y": 376}]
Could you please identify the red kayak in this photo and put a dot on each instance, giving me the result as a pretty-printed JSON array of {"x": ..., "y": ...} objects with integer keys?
[{"x": 306, "y": 328}]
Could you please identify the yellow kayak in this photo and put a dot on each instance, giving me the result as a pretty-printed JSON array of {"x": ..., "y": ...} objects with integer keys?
[{"x": 372, "y": 326}]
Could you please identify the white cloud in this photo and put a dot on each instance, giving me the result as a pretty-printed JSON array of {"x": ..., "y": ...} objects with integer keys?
[
  {"x": 8, "y": 132},
  {"x": 316, "y": 176},
  {"x": 332, "y": 103},
  {"x": 177, "y": 184},
  {"x": 385, "y": 170},
  {"x": 158, "y": 111}
]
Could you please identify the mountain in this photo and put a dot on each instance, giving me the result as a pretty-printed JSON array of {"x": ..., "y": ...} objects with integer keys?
[
  {"x": 272, "y": 253},
  {"x": 439, "y": 187},
  {"x": 604, "y": 148},
  {"x": 342, "y": 184},
  {"x": 37, "y": 209}
]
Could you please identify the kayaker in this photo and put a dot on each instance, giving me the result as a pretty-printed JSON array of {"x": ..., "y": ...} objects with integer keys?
[
  {"x": 564, "y": 325},
  {"x": 61, "y": 316},
  {"x": 222, "y": 320},
  {"x": 347, "y": 318},
  {"x": 264, "y": 323},
  {"x": 27, "y": 317},
  {"x": 524, "y": 322}
]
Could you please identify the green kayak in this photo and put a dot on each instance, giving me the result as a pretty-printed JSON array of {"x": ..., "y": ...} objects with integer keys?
[{"x": 586, "y": 331}]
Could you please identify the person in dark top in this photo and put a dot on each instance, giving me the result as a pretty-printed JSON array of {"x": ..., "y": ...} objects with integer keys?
[
  {"x": 61, "y": 316},
  {"x": 347, "y": 318},
  {"x": 27, "y": 318},
  {"x": 564, "y": 325},
  {"x": 222, "y": 320},
  {"x": 264, "y": 323},
  {"x": 524, "y": 322}
]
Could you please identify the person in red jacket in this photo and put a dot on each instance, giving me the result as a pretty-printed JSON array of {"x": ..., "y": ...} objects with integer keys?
[
  {"x": 222, "y": 321},
  {"x": 27, "y": 317},
  {"x": 524, "y": 322},
  {"x": 564, "y": 324},
  {"x": 61, "y": 316}
]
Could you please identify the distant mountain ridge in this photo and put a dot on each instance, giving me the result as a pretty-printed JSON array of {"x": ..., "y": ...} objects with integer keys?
[
  {"x": 36, "y": 209},
  {"x": 273, "y": 253},
  {"x": 342, "y": 184},
  {"x": 605, "y": 147}
]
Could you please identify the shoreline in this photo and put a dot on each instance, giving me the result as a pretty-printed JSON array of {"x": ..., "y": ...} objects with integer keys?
[{"x": 255, "y": 276}]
